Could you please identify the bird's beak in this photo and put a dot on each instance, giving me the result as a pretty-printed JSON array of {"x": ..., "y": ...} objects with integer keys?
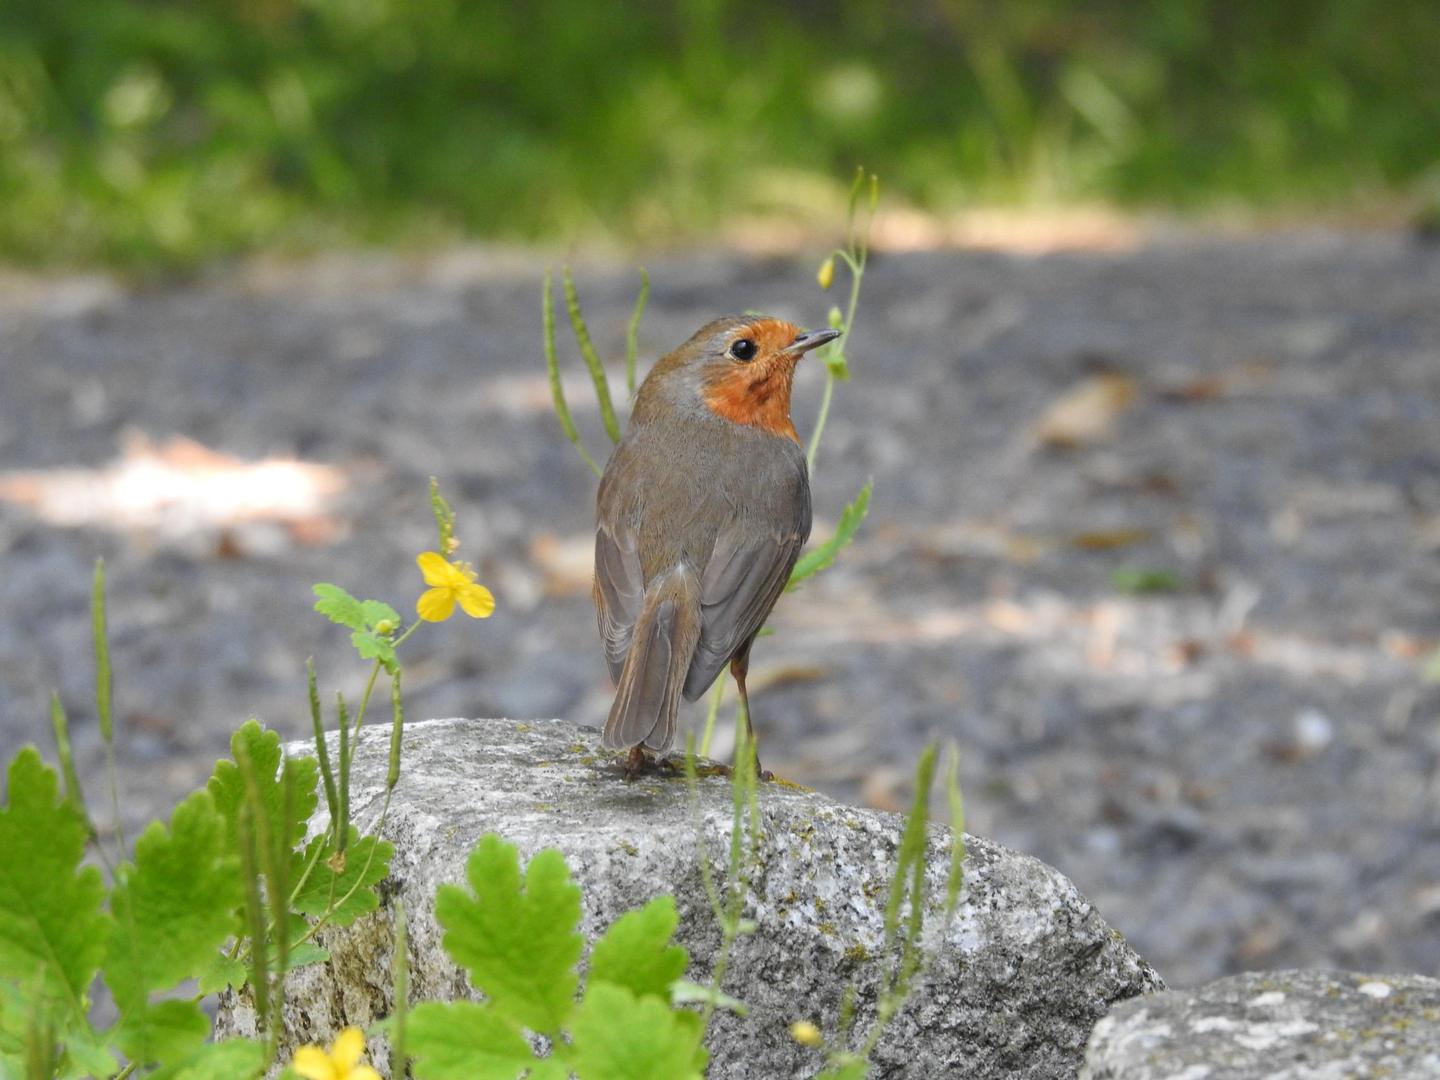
[{"x": 813, "y": 340}]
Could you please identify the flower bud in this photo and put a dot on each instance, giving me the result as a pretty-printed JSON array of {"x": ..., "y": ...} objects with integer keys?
[
  {"x": 826, "y": 275},
  {"x": 385, "y": 626},
  {"x": 805, "y": 1033},
  {"x": 835, "y": 319}
]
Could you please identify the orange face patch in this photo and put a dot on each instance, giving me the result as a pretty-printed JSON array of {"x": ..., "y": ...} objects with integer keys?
[{"x": 757, "y": 392}]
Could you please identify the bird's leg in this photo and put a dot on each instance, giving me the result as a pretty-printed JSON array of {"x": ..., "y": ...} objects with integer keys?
[
  {"x": 635, "y": 763},
  {"x": 740, "y": 667}
]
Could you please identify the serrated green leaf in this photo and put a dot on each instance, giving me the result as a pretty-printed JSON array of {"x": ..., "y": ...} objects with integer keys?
[
  {"x": 221, "y": 971},
  {"x": 377, "y": 611},
  {"x": 86, "y": 1054},
  {"x": 305, "y": 952},
  {"x": 519, "y": 945},
  {"x": 315, "y": 895},
  {"x": 853, "y": 1070},
  {"x": 227, "y": 787},
  {"x": 618, "y": 1036},
  {"x": 173, "y": 907},
  {"x": 231, "y": 1059},
  {"x": 812, "y": 562},
  {"x": 339, "y": 606},
  {"x": 52, "y": 929},
  {"x": 636, "y": 952},
  {"x": 460, "y": 1040},
  {"x": 165, "y": 1031},
  {"x": 371, "y": 646}
]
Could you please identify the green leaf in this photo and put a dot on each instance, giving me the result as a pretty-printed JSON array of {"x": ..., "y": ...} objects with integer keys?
[
  {"x": 360, "y": 866},
  {"x": 519, "y": 944},
  {"x": 836, "y": 364},
  {"x": 87, "y": 1054},
  {"x": 305, "y": 952},
  {"x": 52, "y": 928},
  {"x": 851, "y": 1070},
  {"x": 173, "y": 907},
  {"x": 460, "y": 1040},
  {"x": 618, "y": 1036},
  {"x": 377, "y": 611},
  {"x": 221, "y": 971},
  {"x": 339, "y": 606},
  {"x": 817, "y": 559},
  {"x": 636, "y": 952},
  {"x": 166, "y": 1031},
  {"x": 1133, "y": 580},
  {"x": 227, "y": 787},
  {"x": 232, "y": 1059},
  {"x": 371, "y": 646}
]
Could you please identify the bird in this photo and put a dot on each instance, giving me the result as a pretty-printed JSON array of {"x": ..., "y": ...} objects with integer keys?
[{"x": 702, "y": 511}]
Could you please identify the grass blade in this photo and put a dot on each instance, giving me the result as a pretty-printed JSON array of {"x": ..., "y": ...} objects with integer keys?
[
  {"x": 317, "y": 726},
  {"x": 102, "y": 653},
  {"x": 397, "y": 729},
  {"x": 61, "y": 726},
  {"x": 632, "y": 332},
  {"x": 552, "y": 366},
  {"x": 592, "y": 359},
  {"x": 400, "y": 967}
]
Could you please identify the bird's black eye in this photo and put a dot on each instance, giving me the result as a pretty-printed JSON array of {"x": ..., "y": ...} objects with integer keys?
[{"x": 744, "y": 349}]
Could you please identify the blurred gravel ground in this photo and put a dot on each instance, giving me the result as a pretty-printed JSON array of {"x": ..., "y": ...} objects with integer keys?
[{"x": 1241, "y": 772}]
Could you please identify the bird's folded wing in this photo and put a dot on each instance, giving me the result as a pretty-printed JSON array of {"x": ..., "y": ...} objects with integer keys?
[
  {"x": 745, "y": 575},
  {"x": 619, "y": 590}
]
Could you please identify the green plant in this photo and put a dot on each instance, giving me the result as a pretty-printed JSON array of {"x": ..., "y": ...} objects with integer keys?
[
  {"x": 228, "y": 895},
  {"x": 517, "y": 938}
]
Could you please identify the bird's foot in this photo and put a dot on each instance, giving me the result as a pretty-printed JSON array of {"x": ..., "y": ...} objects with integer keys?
[{"x": 636, "y": 763}]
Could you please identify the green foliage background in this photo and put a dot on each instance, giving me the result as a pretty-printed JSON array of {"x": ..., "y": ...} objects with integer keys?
[{"x": 164, "y": 131}]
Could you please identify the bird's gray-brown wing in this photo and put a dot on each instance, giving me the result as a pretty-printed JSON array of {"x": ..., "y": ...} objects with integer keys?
[
  {"x": 619, "y": 584},
  {"x": 746, "y": 574}
]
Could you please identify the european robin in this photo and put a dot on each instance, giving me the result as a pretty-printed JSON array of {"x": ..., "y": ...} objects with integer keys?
[{"x": 701, "y": 514}]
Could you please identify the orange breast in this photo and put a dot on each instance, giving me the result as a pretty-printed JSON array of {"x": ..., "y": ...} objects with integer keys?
[{"x": 757, "y": 396}]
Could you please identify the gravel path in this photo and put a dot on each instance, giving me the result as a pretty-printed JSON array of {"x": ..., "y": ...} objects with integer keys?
[{"x": 1239, "y": 771}]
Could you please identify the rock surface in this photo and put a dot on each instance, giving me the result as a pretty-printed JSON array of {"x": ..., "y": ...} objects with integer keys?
[
  {"x": 1016, "y": 984},
  {"x": 1275, "y": 1025}
]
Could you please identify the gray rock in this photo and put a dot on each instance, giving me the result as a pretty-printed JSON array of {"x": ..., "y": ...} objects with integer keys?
[
  {"x": 1277, "y": 1025},
  {"x": 1025, "y": 970}
]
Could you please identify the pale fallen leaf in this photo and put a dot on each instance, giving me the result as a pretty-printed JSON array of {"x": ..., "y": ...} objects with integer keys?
[{"x": 1087, "y": 412}]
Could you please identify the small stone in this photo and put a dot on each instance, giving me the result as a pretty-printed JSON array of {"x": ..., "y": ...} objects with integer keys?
[{"x": 1375, "y": 989}]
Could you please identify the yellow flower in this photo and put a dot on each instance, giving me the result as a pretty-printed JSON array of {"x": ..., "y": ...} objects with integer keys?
[
  {"x": 825, "y": 276},
  {"x": 340, "y": 1062},
  {"x": 450, "y": 582},
  {"x": 805, "y": 1033}
]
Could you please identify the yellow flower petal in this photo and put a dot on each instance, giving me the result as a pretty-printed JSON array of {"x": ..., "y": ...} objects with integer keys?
[
  {"x": 313, "y": 1064},
  {"x": 476, "y": 600},
  {"x": 346, "y": 1050},
  {"x": 435, "y": 605},
  {"x": 434, "y": 568},
  {"x": 364, "y": 1072}
]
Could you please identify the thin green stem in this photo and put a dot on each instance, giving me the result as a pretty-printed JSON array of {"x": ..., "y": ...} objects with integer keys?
[
  {"x": 855, "y": 260},
  {"x": 716, "y": 696},
  {"x": 632, "y": 331}
]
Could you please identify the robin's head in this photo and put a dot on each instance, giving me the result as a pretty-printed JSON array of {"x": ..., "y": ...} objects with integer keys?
[{"x": 742, "y": 368}]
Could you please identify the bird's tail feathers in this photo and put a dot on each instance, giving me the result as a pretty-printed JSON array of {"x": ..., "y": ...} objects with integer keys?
[{"x": 663, "y": 643}]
